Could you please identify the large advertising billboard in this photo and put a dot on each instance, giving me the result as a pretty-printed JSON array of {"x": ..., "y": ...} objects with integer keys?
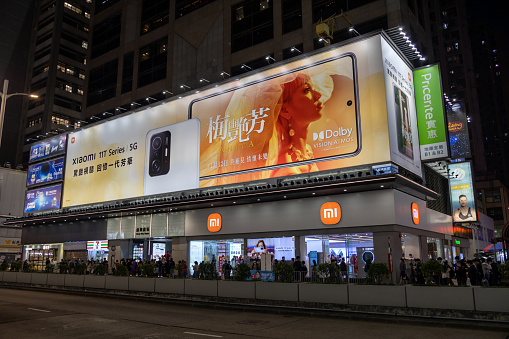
[
  {"x": 43, "y": 199},
  {"x": 430, "y": 113},
  {"x": 318, "y": 113},
  {"x": 458, "y": 131},
  {"x": 462, "y": 192},
  {"x": 47, "y": 148},
  {"x": 45, "y": 172},
  {"x": 400, "y": 101}
]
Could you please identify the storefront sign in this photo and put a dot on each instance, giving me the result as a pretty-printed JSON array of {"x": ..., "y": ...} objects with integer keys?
[
  {"x": 430, "y": 113},
  {"x": 214, "y": 222},
  {"x": 415, "y": 213},
  {"x": 462, "y": 192},
  {"x": 48, "y": 148},
  {"x": 330, "y": 213},
  {"x": 97, "y": 245},
  {"x": 45, "y": 172}
]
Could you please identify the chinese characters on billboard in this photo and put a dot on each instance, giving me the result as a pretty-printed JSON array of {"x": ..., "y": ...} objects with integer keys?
[
  {"x": 48, "y": 148},
  {"x": 45, "y": 172},
  {"x": 43, "y": 199}
]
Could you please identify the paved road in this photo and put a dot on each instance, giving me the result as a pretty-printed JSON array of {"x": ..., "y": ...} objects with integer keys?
[{"x": 35, "y": 314}]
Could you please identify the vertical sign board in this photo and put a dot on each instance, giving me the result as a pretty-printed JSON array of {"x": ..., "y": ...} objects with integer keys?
[
  {"x": 430, "y": 113},
  {"x": 462, "y": 193},
  {"x": 458, "y": 131}
]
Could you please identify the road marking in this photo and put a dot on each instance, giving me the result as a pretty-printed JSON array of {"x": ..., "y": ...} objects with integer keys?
[
  {"x": 206, "y": 335},
  {"x": 36, "y": 309}
]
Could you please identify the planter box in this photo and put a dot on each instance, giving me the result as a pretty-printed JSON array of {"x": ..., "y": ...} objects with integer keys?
[
  {"x": 24, "y": 278},
  {"x": 56, "y": 279},
  {"x": 201, "y": 287},
  {"x": 381, "y": 295},
  {"x": 141, "y": 284},
  {"x": 171, "y": 286},
  {"x": 1, "y": 275},
  {"x": 277, "y": 291},
  {"x": 117, "y": 283},
  {"x": 456, "y": 298},
  {"x": 236, "y": 289},
  {"x": 39, "y": 278},
  {"x": 10, "y": 276},
  {"x": 491, "y": 299},
  {"x": 95, "y": 281},
  {"x": 74, "y": 280},
  {"x": 324, "y": 293}
]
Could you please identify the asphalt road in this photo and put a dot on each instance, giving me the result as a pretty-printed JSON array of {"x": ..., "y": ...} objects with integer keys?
[{"x": 32, "y": 314}]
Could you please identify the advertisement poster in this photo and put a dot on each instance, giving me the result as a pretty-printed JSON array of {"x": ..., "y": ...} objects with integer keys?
[
  {"x": 261, "y": 275},
  {"x": 400, "y": 100},
  {"x": 43, "y": 199},
  {"x": 158, "y": 250},
  {"x": 462, "y": 192},
  {"x": 276, "y": 247},
  {"x": 48, "y": 148},
  {"x": 430, "y": 113},
  {"x": 45, "y": 172},
  {"x": 458, "y": 131}
]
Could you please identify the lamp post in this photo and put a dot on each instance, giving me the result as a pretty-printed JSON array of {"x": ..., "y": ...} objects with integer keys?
[{"x": 6, "y": 96}]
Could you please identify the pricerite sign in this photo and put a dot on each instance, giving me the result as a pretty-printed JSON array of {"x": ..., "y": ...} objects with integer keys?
[{"x": 430, "y": 113}]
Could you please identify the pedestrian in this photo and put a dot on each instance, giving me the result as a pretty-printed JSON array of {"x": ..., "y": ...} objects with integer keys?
[
  {"x": 402, "y": 272},
  {"x": 342, "y": 268}
]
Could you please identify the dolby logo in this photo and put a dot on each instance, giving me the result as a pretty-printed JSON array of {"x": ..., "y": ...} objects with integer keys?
[{"x": 327, "y": 134}]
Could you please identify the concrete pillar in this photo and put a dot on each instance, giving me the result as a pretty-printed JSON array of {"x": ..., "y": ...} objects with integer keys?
[
  {"x": 381, "y": 242},
  {"x": 424, "y": 248},
  {"x": 179, "y": 249}
]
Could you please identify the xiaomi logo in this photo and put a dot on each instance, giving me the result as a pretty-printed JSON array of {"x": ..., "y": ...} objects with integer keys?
[
  {"x": 330, "y": 213},
  {"x": 415, "y": 213},
  {"x": 73, "y": 140},
  {"x": 214, "y": 222}
]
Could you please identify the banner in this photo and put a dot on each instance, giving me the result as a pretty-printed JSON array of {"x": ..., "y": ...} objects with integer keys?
[
  {"x": 45, "y": 172},
  {"x": 43, "y": 199},
  {"x": 462, "y": 192},
  {"x": 458, "y": 131},
  {"x": 430, "y": 113},
  {"x": 48, "y": 148}
]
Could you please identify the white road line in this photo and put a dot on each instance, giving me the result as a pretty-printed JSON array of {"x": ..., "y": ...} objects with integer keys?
[
  {"x": 206, "y": 335},
  {"x": 36, "y": 309}
]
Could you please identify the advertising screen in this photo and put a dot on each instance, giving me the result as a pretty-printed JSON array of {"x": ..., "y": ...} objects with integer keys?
[
  {"x": 277, "y": 247},
  {"x": 430, "y": 113},
  {"x": 401, "y": 114},
  {"x": 45, "y": 172},
  {"x": 48, "y": 148},
  {"x": 462, "y": 192},
  {"x": 458, "y": 131},
  {"x": 321, "y": 112},
  {"x": 43, "y": 199}
]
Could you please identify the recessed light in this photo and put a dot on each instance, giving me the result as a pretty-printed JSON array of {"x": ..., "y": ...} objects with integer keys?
[{"x": 381, "y": 185}]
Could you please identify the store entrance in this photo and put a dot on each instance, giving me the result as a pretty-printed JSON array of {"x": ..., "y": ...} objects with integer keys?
[{"x": 38, "y": 257}]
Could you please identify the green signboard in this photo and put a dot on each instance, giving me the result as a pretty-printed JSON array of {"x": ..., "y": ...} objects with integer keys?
[{"x": 430, "y": 113}]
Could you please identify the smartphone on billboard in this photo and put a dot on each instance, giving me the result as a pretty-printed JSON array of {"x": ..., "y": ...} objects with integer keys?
[
  {"x": 172, "y": 155},
  {"x": 255, "y": 126},
  {"x": 404, "y": 127},
  {"x": 259, "y": 249}
]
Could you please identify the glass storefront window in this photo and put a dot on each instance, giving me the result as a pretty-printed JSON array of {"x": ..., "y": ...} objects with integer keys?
[
  {"x": 113, "y": 228},
  {"x": 211, "y": 250},
  {"x": 410, "y": 245},
  {"x": 142, "y": 226},
  {"x": 128, "y": 227},
  {"x": 159, "y": 223},
  {"x": 435, "y": 248}
]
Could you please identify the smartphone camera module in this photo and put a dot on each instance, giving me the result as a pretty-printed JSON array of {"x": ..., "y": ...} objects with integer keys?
[{"x": 160, "y": 154}]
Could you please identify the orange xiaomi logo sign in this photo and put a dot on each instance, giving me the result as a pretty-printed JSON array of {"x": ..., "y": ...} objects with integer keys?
[
  {"x": 214, "y": 222},
  {"x": 330, "y": 213},
  {"x": 415, "y": 213}
]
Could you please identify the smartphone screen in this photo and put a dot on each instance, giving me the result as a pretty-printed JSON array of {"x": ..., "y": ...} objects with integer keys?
[
  {"x": 256, "y": 126},
  {"x": 404, "y": 127}
]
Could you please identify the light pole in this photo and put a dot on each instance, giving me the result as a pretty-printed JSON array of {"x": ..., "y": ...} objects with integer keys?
[{"x": 6, "y": 96}]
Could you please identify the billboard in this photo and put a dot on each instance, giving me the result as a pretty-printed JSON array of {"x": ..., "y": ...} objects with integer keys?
[
  {"x": 317, "y": 113},
  {"x": 47, "y": 148},
  {"x": 45, "y": 172},
  {"x": 400, "y": 101},
  {"x": 458, "y": 131},
  {"x": 462, "y": 192},
  {"x": 430, "y": 113},
  {"x": 43, "y": 199}
]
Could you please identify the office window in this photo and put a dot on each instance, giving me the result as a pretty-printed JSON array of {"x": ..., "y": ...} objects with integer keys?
[
  {"x": 183, "y": 7},
  {"x": 102, "y": 5},
  {"x": 67, "y": 103},
  {"x": 127, "y": 72},
  {"x": 102, "y": 83},
  {"x": 323, "y": 9},
  {"x": 292, "y": 15},
  {"x": 154, "y": 14},
  {"x": 152, "y": 62},
  {"x": 252, "y": 23},
  {"x": 106, "y": 36},
  {"x": 74, "y": 22}
]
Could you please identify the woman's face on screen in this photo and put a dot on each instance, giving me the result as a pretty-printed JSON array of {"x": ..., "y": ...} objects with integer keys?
[{"x": 304, "y": 104}]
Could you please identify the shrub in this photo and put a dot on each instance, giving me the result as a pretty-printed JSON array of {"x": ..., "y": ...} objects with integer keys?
[
  {"x": 147, "y": 270},
  {"x": 207, "y": 270},
  {"x": 101, "y": 269},
  {"x": 179, "y": 268},
  {"x": 27, "y": 267},
  {"x": 377, "y": 273},
  {"x": 50, "y": 268},
  {"x": 430, "y": 269},
  {"x": 241, "y": 272},
  {"x": 504, "y": 271},
  {"x": 63, "y": 267},
  {"x": 121, "y": 270},
  {"x": 330, "y": 273},
  {"x": 283, "y": 272},
  {"x": 80, "y": 268},
  {"x": 16, "y": 266},
  {"x": 4, "y": 266}
]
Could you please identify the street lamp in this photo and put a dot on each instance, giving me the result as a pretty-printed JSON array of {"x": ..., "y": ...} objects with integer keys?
[{"x": 6, "y": 96}]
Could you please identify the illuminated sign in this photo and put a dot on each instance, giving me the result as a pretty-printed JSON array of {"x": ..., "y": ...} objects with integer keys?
[
  {"x": 42, "y": 199},
  {"x": 48, "y": 148},
  {"x": 214, "y": 222},
  {"x": 330, "y": 213},
  {"x": 462, "y": 192},
  {"x": 458, "y": 131},
  {"x": 45, "y": 172},
  {"x": 457, "y": 242},
  {"x": 430, "y": 113},
  {"x": 415, "y": 213},
  {"x": 97, "y": 245}
]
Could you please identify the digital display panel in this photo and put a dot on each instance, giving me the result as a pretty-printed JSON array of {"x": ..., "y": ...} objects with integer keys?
[
  {"x": 462, "y": 192},
  {"x": 276, "y": 247},
  {"x": 45, "y": 172},
  {"x": 43, "y": 199},
  {"x": 48, "y": 148}
]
